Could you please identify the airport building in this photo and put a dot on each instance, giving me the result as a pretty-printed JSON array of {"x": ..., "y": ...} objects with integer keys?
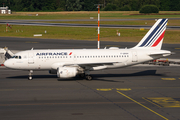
[{"x": 4, "y": 10}]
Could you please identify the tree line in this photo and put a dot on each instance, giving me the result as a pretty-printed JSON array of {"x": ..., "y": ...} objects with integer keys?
[{"x": 88, "y": 5}]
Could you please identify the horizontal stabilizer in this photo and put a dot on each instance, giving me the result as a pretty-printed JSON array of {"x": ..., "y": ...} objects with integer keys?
[{"x": 162, "y": 52}]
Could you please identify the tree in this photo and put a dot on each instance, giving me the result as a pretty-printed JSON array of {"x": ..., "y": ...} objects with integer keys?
[
  {"x": 89, "y": 5},
  {"x": 165, "y": 5},
  {"x": 60, "y": 4},
  {"x": 174, "y": 5},
  {"x": 73, "y": 5},
  {"x": 110, "y": 7},
  {"x": 149, "y": 9}
]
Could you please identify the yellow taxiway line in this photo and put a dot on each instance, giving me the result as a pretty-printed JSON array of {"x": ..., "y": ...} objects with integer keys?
[{"x": 143, "y": 105}]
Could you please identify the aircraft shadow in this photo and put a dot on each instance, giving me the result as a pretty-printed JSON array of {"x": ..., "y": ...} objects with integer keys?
[
  {"x": 142, "y": 73},
  {"x": 97, "y": 77}
]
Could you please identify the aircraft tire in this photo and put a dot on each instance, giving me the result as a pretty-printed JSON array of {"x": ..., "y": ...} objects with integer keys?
[
  {"x": 89, "y": 77},
  {"x": 30, "y": 78}
]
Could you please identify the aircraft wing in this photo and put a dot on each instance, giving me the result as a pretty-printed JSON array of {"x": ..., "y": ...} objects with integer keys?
[{"x": 101, "y": 65}]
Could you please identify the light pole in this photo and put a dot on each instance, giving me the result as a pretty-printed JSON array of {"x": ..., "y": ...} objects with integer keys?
[{"x": 98, "y": 6}]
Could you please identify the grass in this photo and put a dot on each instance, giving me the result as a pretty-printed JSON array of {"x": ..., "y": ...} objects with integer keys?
[
  {"x": 87, "y": 15},
  {"x": 77, "y": 33}
]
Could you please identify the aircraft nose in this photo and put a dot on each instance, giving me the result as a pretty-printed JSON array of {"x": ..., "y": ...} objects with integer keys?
[{"x": 7, "y": 63}]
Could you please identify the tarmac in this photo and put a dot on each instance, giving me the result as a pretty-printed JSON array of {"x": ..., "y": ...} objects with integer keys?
[{"x": 132, "y": 93}]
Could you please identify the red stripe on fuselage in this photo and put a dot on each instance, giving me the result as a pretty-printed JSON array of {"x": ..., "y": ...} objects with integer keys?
[
  {"x": 70, "y": 53},
  {"x": 158, "y": 40}
]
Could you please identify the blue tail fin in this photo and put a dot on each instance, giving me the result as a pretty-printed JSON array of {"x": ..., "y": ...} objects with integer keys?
[{"x": 154, "y": 38}]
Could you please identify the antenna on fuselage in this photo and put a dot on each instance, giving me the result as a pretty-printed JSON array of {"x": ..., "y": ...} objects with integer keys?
[{"x": 98, "y": 6}]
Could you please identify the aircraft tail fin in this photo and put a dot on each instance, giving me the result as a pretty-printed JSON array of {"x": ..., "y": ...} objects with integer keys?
[{"x": 154, "y": 37}]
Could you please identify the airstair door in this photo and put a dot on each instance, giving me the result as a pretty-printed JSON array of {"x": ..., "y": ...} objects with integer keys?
[
  {"x": 30, "y": 58},
  {"x": 134, "y": 56}
]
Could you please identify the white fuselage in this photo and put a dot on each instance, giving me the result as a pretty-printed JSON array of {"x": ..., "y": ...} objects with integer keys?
[{"x": 52, "y": 59}]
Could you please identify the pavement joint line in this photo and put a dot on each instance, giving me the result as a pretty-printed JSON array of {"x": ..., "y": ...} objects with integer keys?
[
  {"x": 109, "y": 100},
  {"x": 151, "y": 102},
  {"x": 86, "y": 103},
  {"x": 142, "y": 105}
]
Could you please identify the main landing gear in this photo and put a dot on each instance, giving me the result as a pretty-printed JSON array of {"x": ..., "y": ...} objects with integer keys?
[
  {"x": 86, "y": 76},
  {"x": 89, "y": 77},
  {"x": 30, "y": 75}
]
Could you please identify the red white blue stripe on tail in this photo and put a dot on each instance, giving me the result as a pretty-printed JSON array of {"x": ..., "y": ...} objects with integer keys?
[{"x": 155, "y": 35}]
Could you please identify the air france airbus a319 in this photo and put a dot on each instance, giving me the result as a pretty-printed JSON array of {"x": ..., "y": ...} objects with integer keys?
[{"x": 68, "y": 63}]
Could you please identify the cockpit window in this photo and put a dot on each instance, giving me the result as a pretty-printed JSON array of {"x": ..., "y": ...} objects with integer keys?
[{"x": 17, "y": 57}]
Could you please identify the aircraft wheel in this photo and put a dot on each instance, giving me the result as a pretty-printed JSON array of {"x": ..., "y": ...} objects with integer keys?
[
  {"x": 89, "y": 77},
  {"x": 30, "y": 78},
  {"x": 30, "y": 75},
  {"x": 82, "y": 75}
]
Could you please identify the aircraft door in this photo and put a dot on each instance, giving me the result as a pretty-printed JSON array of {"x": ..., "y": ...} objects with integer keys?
[
  {"x": 134, "y": 56},
  {"x": 30, "y": 58}
]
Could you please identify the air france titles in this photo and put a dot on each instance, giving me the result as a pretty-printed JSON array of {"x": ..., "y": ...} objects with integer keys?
[{"x": 45, "y": 54}]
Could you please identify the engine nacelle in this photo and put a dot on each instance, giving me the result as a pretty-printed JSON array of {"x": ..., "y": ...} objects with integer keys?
[
  {"x": 52, "y": 71},
  {"x": 66, "y": 72}
]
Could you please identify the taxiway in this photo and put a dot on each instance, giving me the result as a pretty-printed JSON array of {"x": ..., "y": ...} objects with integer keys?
[{"x": 132, "y": 93}]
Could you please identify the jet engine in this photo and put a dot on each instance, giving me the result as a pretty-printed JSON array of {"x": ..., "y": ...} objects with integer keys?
[{"x": 66, "y": 72}]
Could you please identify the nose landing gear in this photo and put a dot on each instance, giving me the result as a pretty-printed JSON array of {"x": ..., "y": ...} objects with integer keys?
[{"x": 30, "y": 75}]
